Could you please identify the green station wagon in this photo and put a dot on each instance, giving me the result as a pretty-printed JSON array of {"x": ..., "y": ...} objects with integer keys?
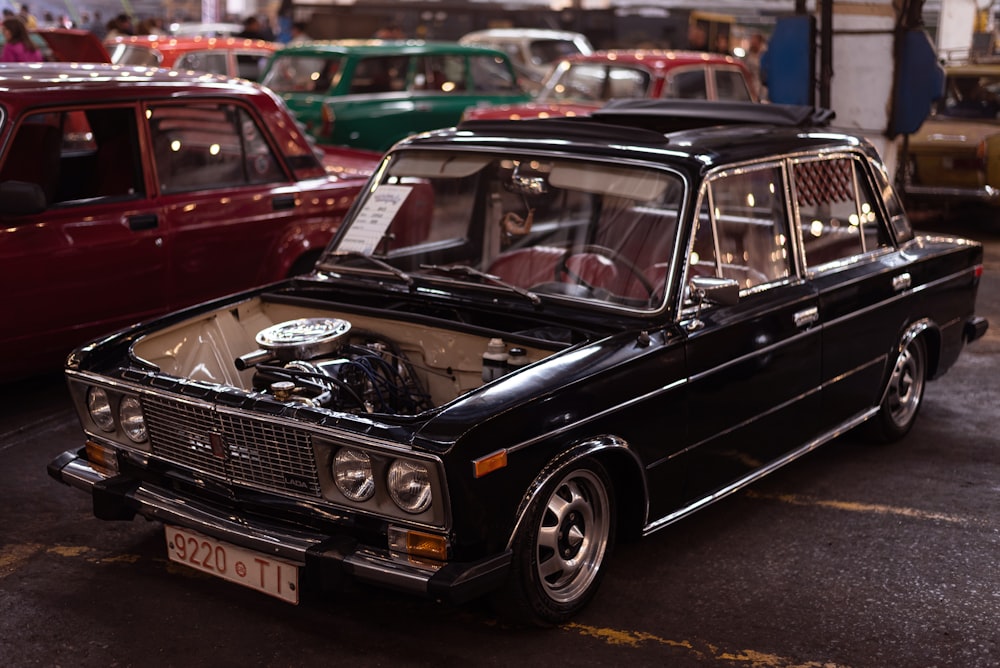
[{"x": 371, "y": 94}]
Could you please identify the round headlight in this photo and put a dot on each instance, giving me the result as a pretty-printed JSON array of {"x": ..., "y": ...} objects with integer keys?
[
  {"x": 132, "y": 420},
  {"x": 352, "y": 471},
  {"x": 410, "y": 486},
  {"x": 100, "y": 409}
]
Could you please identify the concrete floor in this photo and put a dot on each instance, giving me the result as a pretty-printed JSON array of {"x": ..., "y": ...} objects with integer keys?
[{"x": 852, "y": 556}]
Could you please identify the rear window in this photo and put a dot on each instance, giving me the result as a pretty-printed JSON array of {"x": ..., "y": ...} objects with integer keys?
[
  {"x": 597, "y": 82},
  {"x": 213, "y": 62},
  {"x": 129, "y": 54},
  {"x": 545, "y": 51},
  {"x": 303, "y": 74}
]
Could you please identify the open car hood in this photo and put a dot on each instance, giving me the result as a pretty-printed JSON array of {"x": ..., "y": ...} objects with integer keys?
[{"x": 79, "y": 46}]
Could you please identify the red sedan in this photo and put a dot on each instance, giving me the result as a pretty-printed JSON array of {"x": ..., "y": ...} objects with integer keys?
[
  {"x": 130, "y": 192},
  {"x": 580, "y": 84},
  {"x": 232, "y": 56}
]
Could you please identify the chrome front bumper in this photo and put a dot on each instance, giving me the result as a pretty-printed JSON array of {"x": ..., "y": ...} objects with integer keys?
[{"x": 326, "y": 560}]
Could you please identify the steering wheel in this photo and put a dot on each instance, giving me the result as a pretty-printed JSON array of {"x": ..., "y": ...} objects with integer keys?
[{"x": 562, "y": 267}]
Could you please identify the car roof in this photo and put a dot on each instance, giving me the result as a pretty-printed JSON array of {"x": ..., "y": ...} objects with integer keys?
[
  {"x": 654, "y": 58},
  {"x": 56, "y": 80},
  {"x": 210, "y": 28},
  {"x": 521, "y": 34},
  {"x": 699, "y": 134},
  {"x": 193, "y": 42},
  {"x": 380, "y": 47}
]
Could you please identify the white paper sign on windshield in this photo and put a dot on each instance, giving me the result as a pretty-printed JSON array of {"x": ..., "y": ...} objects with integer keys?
[{"x": 371, "y": 223}]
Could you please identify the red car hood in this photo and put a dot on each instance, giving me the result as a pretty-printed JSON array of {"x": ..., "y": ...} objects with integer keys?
[
  {"x": 74, "y": 46},
  {"x": 530, "y": 110}
]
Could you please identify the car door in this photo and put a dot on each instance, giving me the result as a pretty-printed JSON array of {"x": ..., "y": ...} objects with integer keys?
[
  {"x": 89, "y": 258},
  {"x": 753, "y": 367},
  {"x": 226, "y": 199},
  {"x": 864, "y": 283}
]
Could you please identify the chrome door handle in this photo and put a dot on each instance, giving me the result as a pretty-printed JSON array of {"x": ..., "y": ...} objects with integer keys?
[
  {"x": 806, "y": 317},
  {"x": 902, "y": 282}
]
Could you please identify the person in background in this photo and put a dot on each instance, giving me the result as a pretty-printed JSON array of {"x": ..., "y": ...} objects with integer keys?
[
  {"x": 286, "y": 25},
  {"x": 30, "y": 22},
  {"x": 120, "y": 26},
  {"x": 97, "y": 26},
  {"x": 391, "y": 31},
  {"x": 252, "y": 29},
  {"x": 755, "y": 49},
  {"x": 18, "y": 47},
  {"x": 299, "y": 33},
  {"x": 150, "y": 26}
]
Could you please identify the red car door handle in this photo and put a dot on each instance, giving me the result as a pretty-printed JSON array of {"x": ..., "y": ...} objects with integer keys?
[
  {"x": 143, "y": 221},
  {"x": 283, "y": 202}
]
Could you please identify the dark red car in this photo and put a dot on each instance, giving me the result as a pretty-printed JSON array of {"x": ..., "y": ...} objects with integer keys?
[
  {"x": 581, "y": 84},
  {"x": 129, "y": 192}
]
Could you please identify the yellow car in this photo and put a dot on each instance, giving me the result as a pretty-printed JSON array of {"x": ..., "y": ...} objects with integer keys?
[{"x": 955, "y": 156}]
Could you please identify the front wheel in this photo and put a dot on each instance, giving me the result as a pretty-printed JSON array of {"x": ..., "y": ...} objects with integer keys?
[
  {"x": 904, "y": 394},
  {"x": 561, "y": 547}
]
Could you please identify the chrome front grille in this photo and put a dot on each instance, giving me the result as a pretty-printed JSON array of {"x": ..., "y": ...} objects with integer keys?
[{"x": 231, "y": 447}]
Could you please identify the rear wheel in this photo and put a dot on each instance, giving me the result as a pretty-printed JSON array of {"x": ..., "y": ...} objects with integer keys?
[
  {"x": 904, "y": 395},
  {"x": 561, "y": 547}
]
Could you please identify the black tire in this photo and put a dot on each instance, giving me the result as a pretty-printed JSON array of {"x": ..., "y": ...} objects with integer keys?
[
  {"x": 904, "y": 394},
  {"x": 561, "y": 547}
]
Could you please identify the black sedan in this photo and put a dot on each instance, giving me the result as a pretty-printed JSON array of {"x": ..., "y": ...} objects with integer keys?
[{"x": 528, "y": 340}]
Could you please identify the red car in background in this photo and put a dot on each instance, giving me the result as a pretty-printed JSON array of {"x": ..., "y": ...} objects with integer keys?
[
  {"x": 130, "y": 192},
  {"x": 581, "y": 84},
  {"x": 231, "y": 56}
]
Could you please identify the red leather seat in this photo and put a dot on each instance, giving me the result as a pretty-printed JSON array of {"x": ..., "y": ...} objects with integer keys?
[
  {"x": 525, "y": 267},
  {"x": 528, "y": 267}
]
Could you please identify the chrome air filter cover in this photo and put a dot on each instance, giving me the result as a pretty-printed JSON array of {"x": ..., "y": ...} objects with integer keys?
[{"x": 304, "y": 338}]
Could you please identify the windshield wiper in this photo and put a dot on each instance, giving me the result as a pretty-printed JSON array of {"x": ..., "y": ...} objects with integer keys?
[
  {"x": 381, "y": 264},
  {"x": 466, "y": 270}
]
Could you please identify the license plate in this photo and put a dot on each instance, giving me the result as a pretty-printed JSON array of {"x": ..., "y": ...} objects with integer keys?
[{"x": 266, "y": 574}]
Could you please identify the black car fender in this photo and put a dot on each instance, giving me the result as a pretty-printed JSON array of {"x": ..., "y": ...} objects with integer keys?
[{"x": 623, "y": 465}]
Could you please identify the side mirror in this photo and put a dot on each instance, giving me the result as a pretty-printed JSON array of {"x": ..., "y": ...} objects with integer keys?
[
  {"x": 711, "y": 290},
  {"x": 21, "y": 198},
  {"x": 725, "y": 291}
]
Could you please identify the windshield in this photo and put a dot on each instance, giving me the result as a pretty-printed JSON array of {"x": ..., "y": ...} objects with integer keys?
[
  {"x": 594, "y": 82},
  {"x": 538, "y": 226}
]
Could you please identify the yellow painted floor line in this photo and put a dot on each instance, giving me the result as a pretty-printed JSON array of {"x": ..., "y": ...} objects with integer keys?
[
  {"x": 875, "y": 508},
  {"x": 745, "y": 657},
  {"x": 12, "y": 556}
]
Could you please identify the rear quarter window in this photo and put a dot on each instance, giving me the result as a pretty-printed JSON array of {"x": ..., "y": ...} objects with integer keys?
[{"x": 839, "y": 215}]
